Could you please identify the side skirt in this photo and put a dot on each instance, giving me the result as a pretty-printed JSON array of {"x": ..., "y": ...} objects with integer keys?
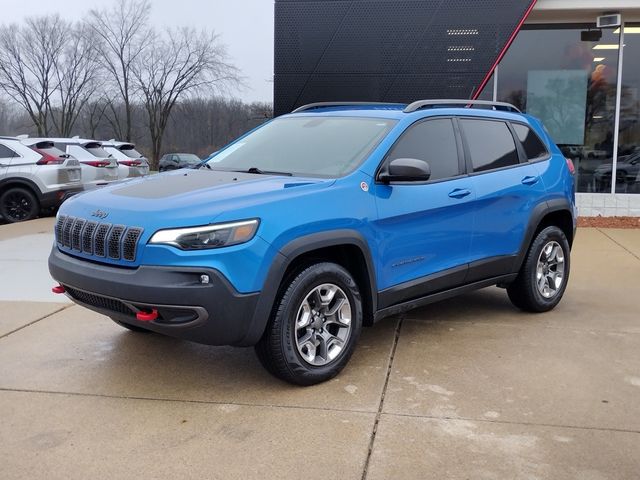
[{"x": 436, "y": 297}]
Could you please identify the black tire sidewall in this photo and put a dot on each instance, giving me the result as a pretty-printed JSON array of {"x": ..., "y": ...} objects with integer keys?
[
  {"x": 33, "y": 201},
  {"x": 309, "y": 279}
]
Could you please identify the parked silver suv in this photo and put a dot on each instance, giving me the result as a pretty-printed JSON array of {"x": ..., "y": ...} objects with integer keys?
[
  {"x": 131, "y": 162},
  {"x": 34, "y": 176},
  {"x": 98, "y": 167}
]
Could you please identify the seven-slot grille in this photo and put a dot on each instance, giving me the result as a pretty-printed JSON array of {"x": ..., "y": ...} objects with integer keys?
[{"x": 100, "y": 239}]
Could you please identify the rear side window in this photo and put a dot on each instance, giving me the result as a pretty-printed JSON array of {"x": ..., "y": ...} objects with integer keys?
[
  {"x": 533, "y": 146},
  {"x": 490, "y": 143},
  {"x": 6, "y": 152},
  {"x": 433, "y": 141}
]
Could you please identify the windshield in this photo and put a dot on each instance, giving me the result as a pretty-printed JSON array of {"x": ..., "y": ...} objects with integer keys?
[
  {"x": 305, "y": 146},
  {"x": 189, "y": 158}
]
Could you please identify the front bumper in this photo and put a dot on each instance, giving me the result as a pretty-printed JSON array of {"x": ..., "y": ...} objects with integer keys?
[{"x": 213, "y": 313}]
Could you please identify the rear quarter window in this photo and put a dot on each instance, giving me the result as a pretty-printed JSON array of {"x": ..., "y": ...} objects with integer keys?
[
  {"x": 6, "y": 152},
  {"x": 533, "y": 146}
]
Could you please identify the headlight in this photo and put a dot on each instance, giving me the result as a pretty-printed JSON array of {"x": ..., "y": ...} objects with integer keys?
[{"x": 210, "y": 236}]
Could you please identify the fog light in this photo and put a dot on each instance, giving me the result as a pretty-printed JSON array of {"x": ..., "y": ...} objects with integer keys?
[{"x": 204, "y": 279}]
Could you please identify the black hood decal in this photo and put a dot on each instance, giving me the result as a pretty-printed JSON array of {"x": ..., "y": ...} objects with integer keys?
[{"x": 169, "y": 185}]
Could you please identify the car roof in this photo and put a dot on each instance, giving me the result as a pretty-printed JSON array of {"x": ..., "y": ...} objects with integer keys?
[
  {"x": 116, "y": 143},
  {"x": 424, "y": 108},
  {"x": 70, "y": 141}
]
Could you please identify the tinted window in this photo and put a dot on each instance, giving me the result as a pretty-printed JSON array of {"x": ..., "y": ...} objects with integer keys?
[
  {"x": 6, "y": 152},
  {"x": 533, "y": 146},
  {"x": 433, "y": 141},
  {"x": 130, "y": 151},
  {"x": 490, "y": 144},
  {"x": 49, "y": 148},
  {"x": 97, "y": 151},
  {"x": 190, "y": 159}
]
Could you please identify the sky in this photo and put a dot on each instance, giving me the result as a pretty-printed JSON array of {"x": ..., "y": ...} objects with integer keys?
[{"x": 244, "y": 26}]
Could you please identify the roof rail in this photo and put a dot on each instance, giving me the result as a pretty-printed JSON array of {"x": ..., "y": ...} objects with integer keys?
[
  {"x": 415, "y": 106},
  {"x": 311, "y": 106}
]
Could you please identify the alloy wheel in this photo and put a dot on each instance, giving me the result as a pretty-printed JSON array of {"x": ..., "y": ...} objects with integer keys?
[
  {"x": 550, "y": 270},
  {"x": 18, "y": 206},
  {"x": 323, "y": 324}
]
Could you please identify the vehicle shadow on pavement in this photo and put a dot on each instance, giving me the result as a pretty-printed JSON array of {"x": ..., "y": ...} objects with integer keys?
[{"x": 490, "y": 305}]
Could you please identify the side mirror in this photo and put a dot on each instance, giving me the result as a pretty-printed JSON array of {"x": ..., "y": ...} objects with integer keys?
[{"x": 405, "y": 170}]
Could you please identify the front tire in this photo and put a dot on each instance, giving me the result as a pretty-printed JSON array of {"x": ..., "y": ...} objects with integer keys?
[
  {"x": 314, "y": 325},
  {"x": 18, "y": 205},
  {"x": 543, "y": 277}
]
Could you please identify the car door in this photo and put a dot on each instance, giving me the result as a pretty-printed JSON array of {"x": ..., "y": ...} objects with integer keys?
[
  {"x": 507, "y": 188},
  {"x": 424, "y": 228},
  {"x": 6, "y": 156}
]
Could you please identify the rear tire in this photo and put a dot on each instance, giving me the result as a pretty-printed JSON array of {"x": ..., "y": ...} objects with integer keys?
[
  {"x": 544, "y": 274},
  {"x": 314, "y": 326},
  {"x": 18, "y": 204}
]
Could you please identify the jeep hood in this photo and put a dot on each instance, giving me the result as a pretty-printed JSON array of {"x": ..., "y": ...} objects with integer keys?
[{"x": 186, "y": 197}]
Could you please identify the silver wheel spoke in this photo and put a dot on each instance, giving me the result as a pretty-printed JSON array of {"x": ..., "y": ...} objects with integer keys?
[
  {"x": 304, "y": 316},
  {"x": 331, "y": 310},
  {"x": 550, "y": 269},
  {"x": 323, "y": 324}
]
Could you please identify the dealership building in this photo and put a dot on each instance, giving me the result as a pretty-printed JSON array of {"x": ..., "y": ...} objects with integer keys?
[{"x": 575, "y": 64}]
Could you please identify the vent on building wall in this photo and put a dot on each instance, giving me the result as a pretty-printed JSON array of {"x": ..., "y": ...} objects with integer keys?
[{"x": 609, "y": 21}]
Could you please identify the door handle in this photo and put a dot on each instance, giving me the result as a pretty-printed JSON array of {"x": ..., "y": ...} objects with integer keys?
[
  {"x": 530, "y": 180},
  {"x": 459, "y": 193}
]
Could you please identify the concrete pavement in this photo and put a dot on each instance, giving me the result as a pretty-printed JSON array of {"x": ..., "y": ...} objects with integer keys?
[{"x": 468, "y": 388}]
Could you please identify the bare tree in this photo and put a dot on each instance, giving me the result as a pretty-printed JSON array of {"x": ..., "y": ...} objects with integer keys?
[
  {"x": 123, "y": 34},
  {"x": 28, "y": 55},
  {"x": 75, "y": 72},
  {"x": 181, "y": 64},
  {"x": 92, "y": 115}
]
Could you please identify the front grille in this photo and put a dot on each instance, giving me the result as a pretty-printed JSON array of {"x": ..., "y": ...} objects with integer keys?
[
  {"x": 114, "y": 242},
  {"x": 99, "y": 239},
  {"x": 87, "y": 237},
  {"x": 130, "y": 243},
  {"x": 66, "y": 231},
  {"x": 76, "y": 238},
  {"x": 99, "y": 301}
]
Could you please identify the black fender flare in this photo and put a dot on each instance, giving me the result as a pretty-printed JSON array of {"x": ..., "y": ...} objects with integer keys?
[
  {"x": 538, "y": 213},
  {"x": 11, "y": 182},
  {"x": 286, "y": 256}
]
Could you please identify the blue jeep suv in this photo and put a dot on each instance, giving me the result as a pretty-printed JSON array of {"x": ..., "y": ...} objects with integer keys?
[{"x": 299, "y": 233}]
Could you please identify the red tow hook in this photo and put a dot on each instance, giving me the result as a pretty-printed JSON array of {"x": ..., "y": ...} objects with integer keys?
[
  {"x": 147, "y": 316},
  {"x": 58, "y": 289}
]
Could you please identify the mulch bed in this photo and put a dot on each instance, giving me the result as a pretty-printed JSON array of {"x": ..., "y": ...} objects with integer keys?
[{"x": 609, "y": 222}]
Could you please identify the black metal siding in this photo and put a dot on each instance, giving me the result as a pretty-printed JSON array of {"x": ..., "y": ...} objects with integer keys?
[{"x": 387, "y": 50}]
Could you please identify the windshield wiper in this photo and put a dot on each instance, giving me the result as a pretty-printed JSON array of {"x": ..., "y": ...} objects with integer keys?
[{"x": 258, "y": 171}]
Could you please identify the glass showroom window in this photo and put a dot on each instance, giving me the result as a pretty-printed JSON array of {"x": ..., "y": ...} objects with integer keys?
[
  {"x": 628, "y": 164},
  {"x": 570, "y": 84}
]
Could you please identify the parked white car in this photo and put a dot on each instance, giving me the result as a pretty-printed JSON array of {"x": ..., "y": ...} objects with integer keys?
[
  {"x": 98, "y": 167},
  {"x": 131, "y": 163},
  {"x": 34, "y": 176}
]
